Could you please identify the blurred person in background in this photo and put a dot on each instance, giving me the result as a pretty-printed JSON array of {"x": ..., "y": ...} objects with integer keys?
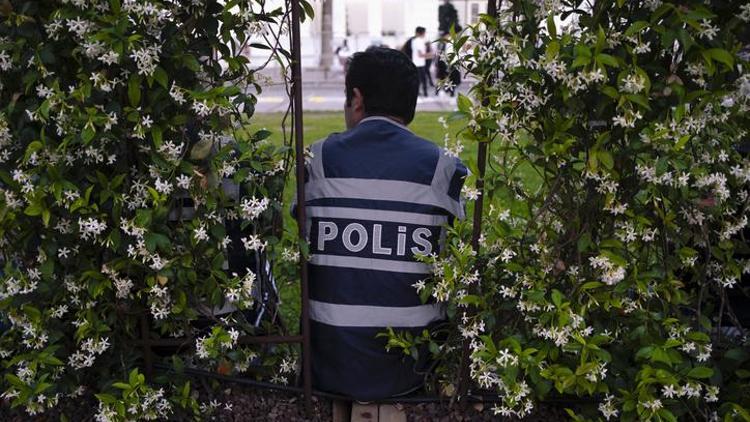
[
  {"x": 416, "y": 48},
  {"x": 447, "y": 17}
]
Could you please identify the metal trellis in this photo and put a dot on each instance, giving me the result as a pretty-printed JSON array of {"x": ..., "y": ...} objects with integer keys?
[{"x": 304, "y": 339}]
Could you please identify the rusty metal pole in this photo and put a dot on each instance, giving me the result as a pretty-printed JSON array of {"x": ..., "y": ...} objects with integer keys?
[
  {"x": 299, "y": 148},
  {"x": 464, "y": 374}
]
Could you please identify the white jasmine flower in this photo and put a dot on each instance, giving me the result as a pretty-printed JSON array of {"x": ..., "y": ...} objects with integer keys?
[
  {"x": 109, "y": 58},
  {"x": 183, "y": 181},
  {"x": 177, "y": 94},
  {"x": 253, "y": 243},
  {"x": 163, "y": 186},
  {"x": 707, "y": 30},
  {"x": 146, "y": 121},
  {"x": 470, "y": 193},
  {"x": 199, "y": 234},
  {"x": 201, "y": 108},
  {"x": 419, "y": 285},
  {"x": 668, "y": 391}
]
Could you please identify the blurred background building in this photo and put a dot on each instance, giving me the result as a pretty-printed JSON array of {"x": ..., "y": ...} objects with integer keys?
[
  {"x": 341, "y": 28},
  {"x": 362, "y": 23}
]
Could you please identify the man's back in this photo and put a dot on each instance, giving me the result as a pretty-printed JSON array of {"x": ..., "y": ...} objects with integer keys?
[{"x": 377, "y": 196}]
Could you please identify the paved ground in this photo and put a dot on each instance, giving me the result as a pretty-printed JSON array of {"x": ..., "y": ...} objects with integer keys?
[{"x": 323, "y": 92}]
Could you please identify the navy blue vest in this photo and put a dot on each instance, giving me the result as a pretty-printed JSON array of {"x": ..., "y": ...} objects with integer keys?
[{"x": 377, "y": 195}]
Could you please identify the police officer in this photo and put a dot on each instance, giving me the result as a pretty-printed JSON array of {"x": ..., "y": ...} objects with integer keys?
[{"x": 377, "y": 197}]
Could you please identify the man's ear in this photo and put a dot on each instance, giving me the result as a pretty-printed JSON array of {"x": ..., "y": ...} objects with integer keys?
[{"x": 358, "y": 100}]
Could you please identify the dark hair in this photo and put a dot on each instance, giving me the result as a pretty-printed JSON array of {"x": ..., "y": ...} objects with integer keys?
[
  {"x": 420, "y": 30},
  {"x": 387, "y": 80}
]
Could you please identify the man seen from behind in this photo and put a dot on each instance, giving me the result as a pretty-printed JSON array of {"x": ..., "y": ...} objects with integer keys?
[{"x": 378, "y": 196}]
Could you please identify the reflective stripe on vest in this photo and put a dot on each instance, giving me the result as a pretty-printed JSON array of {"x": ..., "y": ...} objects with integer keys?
[
  {"x": 375, "y": 316},
  {"x": 383, "y": 190},
  {"x": 376, "y": 264}
]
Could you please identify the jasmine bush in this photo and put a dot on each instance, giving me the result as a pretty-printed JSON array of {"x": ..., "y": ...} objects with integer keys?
[
  {"x": 617, "y": 196},
  {"x": 113, "y": 116}
]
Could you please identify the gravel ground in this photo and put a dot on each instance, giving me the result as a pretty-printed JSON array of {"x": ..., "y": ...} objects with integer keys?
[
  {"x": 239, "y": 403},
  {"x": 257, "y": 405}
]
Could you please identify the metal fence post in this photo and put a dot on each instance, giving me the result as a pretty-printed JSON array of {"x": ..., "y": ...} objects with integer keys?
[
  {"x": 299, "y": 148},
  {"x": 464, "y": 373}
]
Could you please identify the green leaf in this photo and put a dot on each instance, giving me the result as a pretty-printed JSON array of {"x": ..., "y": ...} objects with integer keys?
[
  {"x": 680, "y": 144},
  {"x": 553, "y": 49},
  {"x": 591, "y": 285},
  {"x": 16, "y": 382},
  {"x": 156, "y": 135},
  {"x": 580, "y": 61},
  {"x": 261, "y": 135},
  {"x": 601, "y": 40},
  {"x": 635, "y": 28},
  {"x": 605, "y": 158},
  {"x": 737, "y": 354},
  {"x": 88, "y": 134},
  {"x": 700, "y": 372},
  {"x": 161, "y": 77},
  {"x": 106, "y": 398},
  {"x": 659, "y": 355},
  {"x": 464, "y": 104},
  {"x": 32, "y": 148},
  {"x": 639, "y": 99},
  {"x": 134, "y": 90},
  {"x": 557, "y": 297},
  {"x": 667, "y": 415},
  {"x": 308, "y": 10},
  {"x": 133, "y": 377},
  {"x": 611, "y": 92},
  {"x": 720, "y": 55},
  {"x": 122, "y": 386},
  {"x": 191, "y": 62},
  {"x": 551, "y": 28},
  {"x": 607, "y": 60},
  {"x": 34, "y": 209}
]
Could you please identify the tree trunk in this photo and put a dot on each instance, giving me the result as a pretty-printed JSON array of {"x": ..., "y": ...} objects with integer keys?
[{"x": 326, "y": 39}]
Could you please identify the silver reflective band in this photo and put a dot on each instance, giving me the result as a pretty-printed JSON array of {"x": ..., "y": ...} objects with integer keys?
[
  {"x": 316, "y": 163},
  {"x": 370, "y": 264},
  {"x": 378, "y": 215},
  {"x": 382, "y": 190},
  {"x": 444, "y": 170},
  {"x": 375, "y": 316}
]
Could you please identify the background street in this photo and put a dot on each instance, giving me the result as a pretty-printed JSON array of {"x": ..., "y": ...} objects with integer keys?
[{"x": 326, "y": 93}]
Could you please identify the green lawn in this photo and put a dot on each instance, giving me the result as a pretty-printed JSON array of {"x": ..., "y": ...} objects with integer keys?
[{"x": 318, "y": 125}]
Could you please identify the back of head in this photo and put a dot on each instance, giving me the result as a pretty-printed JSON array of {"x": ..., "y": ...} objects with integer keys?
[{"x": 387, "y": 80}]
